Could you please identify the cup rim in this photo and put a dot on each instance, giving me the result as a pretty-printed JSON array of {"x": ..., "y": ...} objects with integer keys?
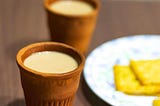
[
  {"x": 93, "y": 13},
  {"x": 37, "y": 73}
]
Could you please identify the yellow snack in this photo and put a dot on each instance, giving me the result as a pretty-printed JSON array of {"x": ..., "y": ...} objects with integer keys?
[
  {"x": 125, "y": 81},
  {"x": 147, "y": 71},
  {"x": 156, "y": 102}
]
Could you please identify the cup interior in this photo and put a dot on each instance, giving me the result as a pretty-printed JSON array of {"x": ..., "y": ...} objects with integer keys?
[
  {"x": 93, "y": 3},
  {"x": 49, "y": 46}
]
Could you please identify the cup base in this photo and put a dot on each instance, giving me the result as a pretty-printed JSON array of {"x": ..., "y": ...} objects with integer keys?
[{"x": 66, "y": 102}]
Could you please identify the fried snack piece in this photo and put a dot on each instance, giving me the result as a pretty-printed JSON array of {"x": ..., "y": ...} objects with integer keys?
[
  {"x": 156, "y": 102},
  {"x": 147, "y": 71},
  {"x": 125, "y": 81}
]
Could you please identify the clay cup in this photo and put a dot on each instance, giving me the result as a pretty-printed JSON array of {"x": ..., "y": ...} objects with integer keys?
[
  {"x": 74, "y": 30},
  {"x": 49, "y": 89}
]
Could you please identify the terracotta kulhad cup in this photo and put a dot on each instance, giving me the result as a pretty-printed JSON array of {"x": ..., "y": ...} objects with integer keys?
[
  {"x": 49, "y": 89},
  {"x": 74, "y": 30}
]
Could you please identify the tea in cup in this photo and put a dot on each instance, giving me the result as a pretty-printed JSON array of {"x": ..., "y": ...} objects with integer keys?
[
  {"x": 50, "y": 73},
  {"x": 72, "y": 21}
]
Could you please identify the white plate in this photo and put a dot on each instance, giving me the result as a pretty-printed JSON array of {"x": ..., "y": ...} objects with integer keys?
[{"x": 98, "y": 70}]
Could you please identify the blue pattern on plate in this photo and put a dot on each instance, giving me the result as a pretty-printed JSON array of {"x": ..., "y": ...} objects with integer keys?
[{"x": 98, "y": 70}]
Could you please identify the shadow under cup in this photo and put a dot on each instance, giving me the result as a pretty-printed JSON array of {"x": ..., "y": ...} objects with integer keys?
[
  {"x": 74, "y": 30},
  {"x": 49, "y": 89}
]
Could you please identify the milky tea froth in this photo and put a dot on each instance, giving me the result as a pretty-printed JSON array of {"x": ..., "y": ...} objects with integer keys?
[
  {"x": 73, "y": 7},
  {"x": 51, "y": 62}
]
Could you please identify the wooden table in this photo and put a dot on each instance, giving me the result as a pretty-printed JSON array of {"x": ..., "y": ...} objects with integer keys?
[{"x": 24, "y": 21}]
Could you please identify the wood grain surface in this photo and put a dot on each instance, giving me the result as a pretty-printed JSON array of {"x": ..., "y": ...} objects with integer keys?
[{"x": 24, "y": 21}]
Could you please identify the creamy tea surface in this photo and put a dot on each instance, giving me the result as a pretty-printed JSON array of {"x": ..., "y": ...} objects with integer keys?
[
  {"x": 51, "y": 62},
  {"x": 72, "y": 7}
]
